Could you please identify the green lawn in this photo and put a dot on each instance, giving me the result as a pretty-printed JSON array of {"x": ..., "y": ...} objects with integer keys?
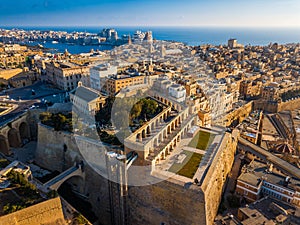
[
  {"x": 189, "y": 166},
  {"x": 202, "y": 140}
]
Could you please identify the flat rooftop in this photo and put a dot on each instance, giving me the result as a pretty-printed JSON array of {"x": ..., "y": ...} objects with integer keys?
[{"x": 188, "y": 161}]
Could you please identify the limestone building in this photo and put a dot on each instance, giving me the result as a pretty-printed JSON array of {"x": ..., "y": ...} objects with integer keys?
[
  {"x": 99, "y": 75},
  {"x": 258, "y": 179},
  {"x": 65, "y": 75},
  {"x": 117, "y": 82},
  {"x": 86, "y": 101}
]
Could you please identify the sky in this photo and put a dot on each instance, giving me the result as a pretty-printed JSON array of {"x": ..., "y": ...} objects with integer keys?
[{"x": 219, "y": 13}]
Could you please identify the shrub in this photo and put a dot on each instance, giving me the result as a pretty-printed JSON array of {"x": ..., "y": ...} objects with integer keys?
[
  {"x": 10, "y": 208},
  {"x": 79, "y": 219}
]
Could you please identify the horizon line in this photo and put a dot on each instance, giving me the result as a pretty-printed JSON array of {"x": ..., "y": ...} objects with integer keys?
[{"x": 154, "y": 26}]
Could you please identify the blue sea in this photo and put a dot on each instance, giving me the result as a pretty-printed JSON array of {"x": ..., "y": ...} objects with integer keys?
[{"x": 189, "y": 35}]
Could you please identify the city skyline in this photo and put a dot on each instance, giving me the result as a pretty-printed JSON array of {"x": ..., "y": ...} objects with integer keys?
[
  {"x": 125, "y": 112},
  {"x": 215, "y": 13}
]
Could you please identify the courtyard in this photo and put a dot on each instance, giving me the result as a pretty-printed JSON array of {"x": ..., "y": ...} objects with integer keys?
[
  {"x": 186, "y": 163},
  {"x": 202, "y": 140}
]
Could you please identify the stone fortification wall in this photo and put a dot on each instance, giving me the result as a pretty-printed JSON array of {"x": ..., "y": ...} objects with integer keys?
[
  {"x": 59, "y": 151},
  {"x": 173, "y": 202},
  {"x": 217, "y": 173},
  {"x": 166, "y": 202},
  {"x": 48, "y": 212}
]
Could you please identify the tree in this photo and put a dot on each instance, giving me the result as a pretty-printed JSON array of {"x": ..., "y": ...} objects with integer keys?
[{"x": 136, "y": 111}]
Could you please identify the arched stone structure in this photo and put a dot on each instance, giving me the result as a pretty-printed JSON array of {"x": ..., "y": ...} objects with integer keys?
[
  {"x": 165, "y": 133},
  {"x": 162, "y": 156},
  {"x": 167, "y": 151},
  {"x": 56, "y": 182},
  {"x": 4, "y": 146},
  {"x": 17, "y": 130},
  {"x": 172, "y": 126},
  {"x": 76, "y": 182},
  {"x": 165, "y": 116},
  {"x": 157, "y": 122},
  {"x": 169, "y": 130},
  {"x": 138, "y": 137},
  {"x": 143, "y": 134},
  {"x": 153, "y": 126},
  {"x": 14, "y": 138}
]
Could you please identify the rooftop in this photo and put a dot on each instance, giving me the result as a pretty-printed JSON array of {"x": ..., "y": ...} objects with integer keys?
[
  {"x": 86, "y": 93},
  {"x": 188, "y": 163},
  {"x": 256, "y": 172}
]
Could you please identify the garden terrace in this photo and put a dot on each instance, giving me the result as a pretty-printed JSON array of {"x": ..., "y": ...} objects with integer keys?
[
  {"x": 186, "y": 164},
  {"x": 202, "y": 140},
  {"x": 60, "y": 122}
]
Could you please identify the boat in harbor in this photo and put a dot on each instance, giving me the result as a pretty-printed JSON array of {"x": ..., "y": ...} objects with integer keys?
[{"x": 54, "y": 42}]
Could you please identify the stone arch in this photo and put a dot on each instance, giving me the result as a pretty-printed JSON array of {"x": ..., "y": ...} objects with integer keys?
[
  {"x": 24, "y": 132},
  {"x": 173, "y": 126},
  {"x": 157, "y": 122},
  {"x": 167, "y": 151},
  {"x": 76, "y": 182},
  {"x": 4, "y": 146},
  {"x": 143, "y": 134},
  {"x": 174, "y": 143},
  {"x": 175, "y": 107},
  {"x": 165, "y": 133},
  {"x": 157, "y": 161},
  {"x": 160, "y": 138},
  {"x": 152, "y": 126},
  {"x": 13, "y": 138},
  {"x": 148, "y": 130},
  {"x": 165, "y": 116},
  {"x": 138, "y": 137},
  {"x": 169, "y": 129},
  {"x": 168, "y": 114},
  {"x": 162, "y": 156}
]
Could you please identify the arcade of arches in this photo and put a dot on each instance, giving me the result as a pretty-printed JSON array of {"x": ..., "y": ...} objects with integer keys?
[{"x": 14, "y": 137}]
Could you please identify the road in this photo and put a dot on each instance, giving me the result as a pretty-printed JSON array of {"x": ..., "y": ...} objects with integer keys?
[
  {"x": 41, "y": 90},
  {"x": 24, "y": 98}
]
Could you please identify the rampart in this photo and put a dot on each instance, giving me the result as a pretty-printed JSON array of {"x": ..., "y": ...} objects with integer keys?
[
  {"x": 58, "y": 151},
  {"x": 48, "y": 212}
]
